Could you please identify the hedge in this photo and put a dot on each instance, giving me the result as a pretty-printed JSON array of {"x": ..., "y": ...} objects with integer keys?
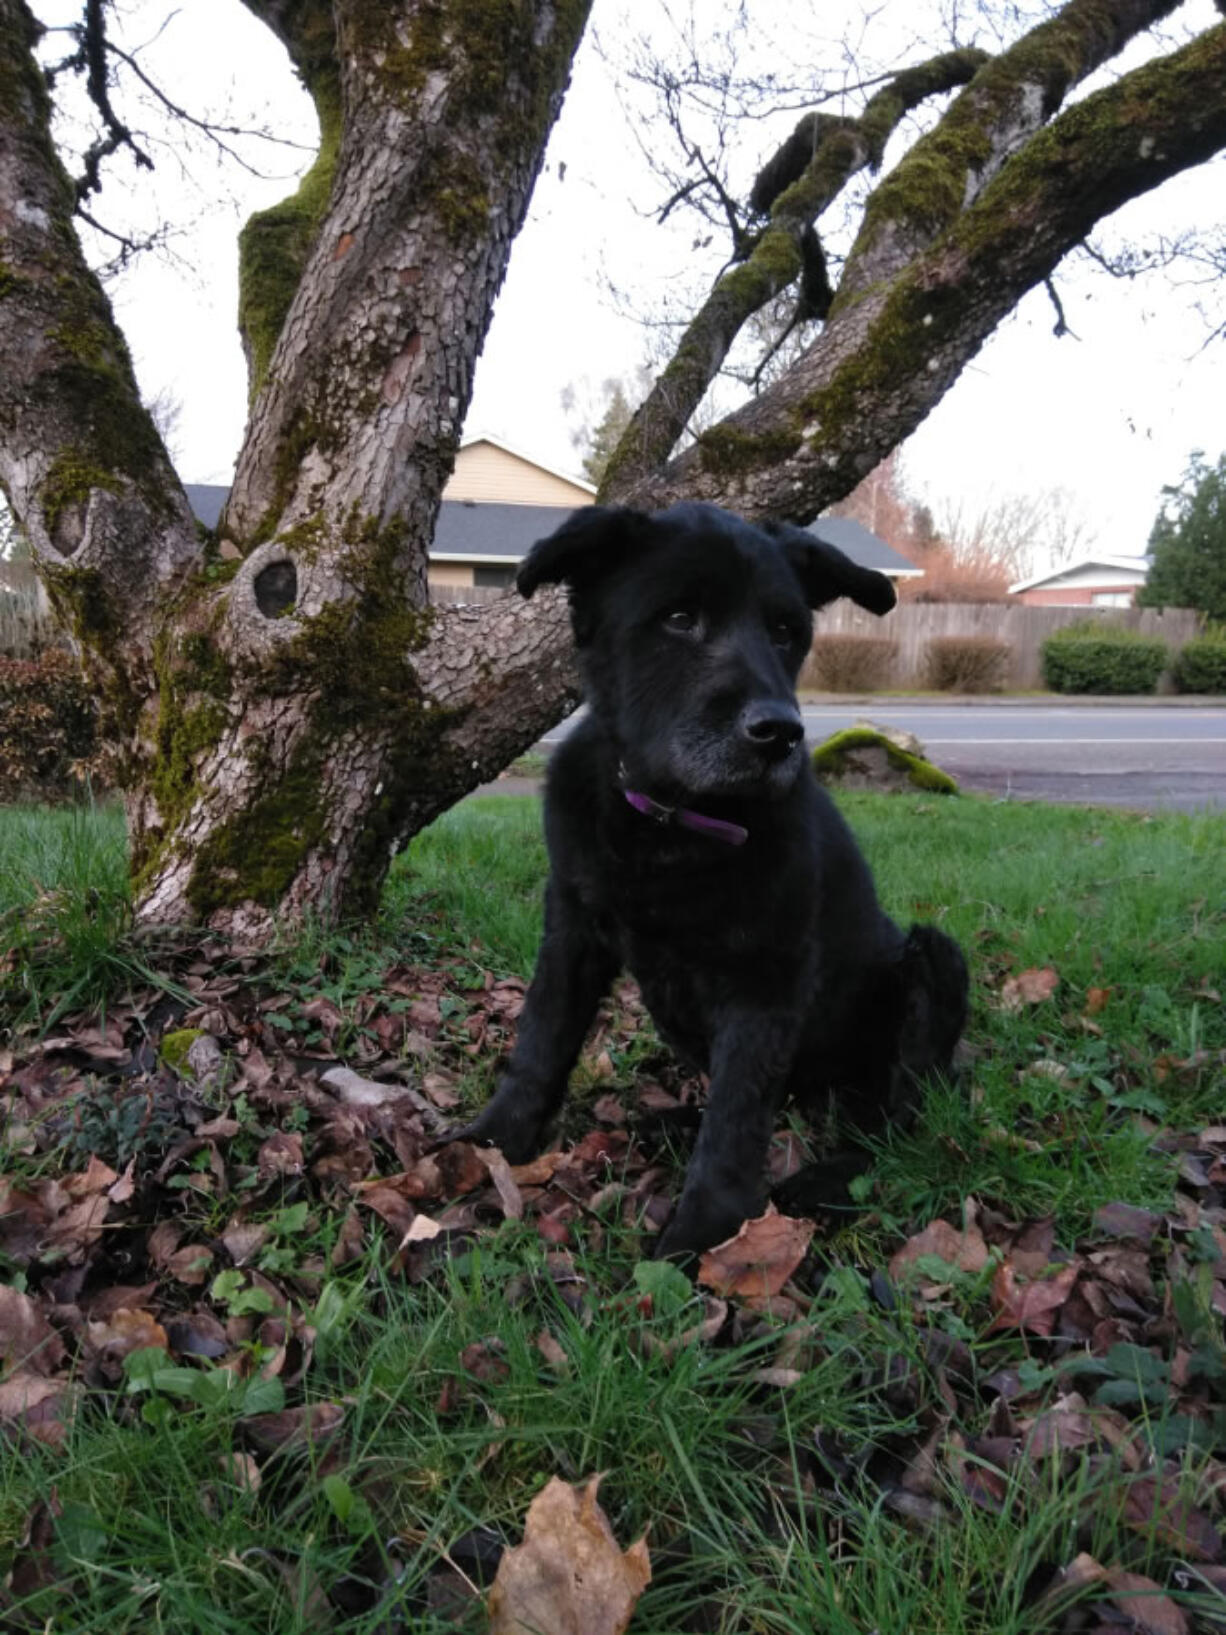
[
  {"x": 1094, "y": 658},
  {"x": 967, "y": 664},
  {"x": 850, "y": 664},
  {"x": 1200, "y": 665},
  {"x": 47, "y": 726}
]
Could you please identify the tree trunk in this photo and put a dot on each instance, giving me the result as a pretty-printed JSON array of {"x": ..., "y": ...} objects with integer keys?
[{"x": 285, "y": 707}]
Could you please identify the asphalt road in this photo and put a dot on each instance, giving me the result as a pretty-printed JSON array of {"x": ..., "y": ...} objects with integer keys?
[{"x": 1151, "y": 757}]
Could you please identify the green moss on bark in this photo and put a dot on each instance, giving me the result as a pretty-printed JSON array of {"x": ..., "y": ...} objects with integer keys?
[
  {"x": 274, "y": 244},
  {"x": 354, "y": 660},
  {"x": 726, "y": 451},
  {"x": 256, "y": 856}
]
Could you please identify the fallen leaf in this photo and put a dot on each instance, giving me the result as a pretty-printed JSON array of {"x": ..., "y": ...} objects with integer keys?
[
  {"x": 27, "y": 1340},
  {"x": 1029, "y": 987},
  {"x": 552, "y": 1351},
  {"x": 125, "y": 1331},
  {"x": 281, "y": 1154},
  {"x": 1097, "y": 999},
  {"x": 540, "y": 1171},
  {"x": 568, "y": 1576},
  {"x": 1141, "y": 1600},
  {"x": 1030, "y": 1306},
  {"x": 760, "y": 1258},
  {"x": 40, "y": 1406},
  {"x": 242, "y": 1241},
  {"x": 190, "y": 1264},
  {"x": 293, "y": 1427},
  {"x": 504, "y": 1183},
  {"x": 965, "y": 1250}
]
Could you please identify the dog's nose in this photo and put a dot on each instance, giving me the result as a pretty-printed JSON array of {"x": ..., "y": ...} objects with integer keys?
[{"x": 775, "y": 728}]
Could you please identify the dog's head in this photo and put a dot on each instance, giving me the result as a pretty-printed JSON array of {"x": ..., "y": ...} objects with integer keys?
[{"x": 692, "y": 626}]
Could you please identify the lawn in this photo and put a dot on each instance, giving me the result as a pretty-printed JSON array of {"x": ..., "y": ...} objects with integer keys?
[{"x": 275, "y": 1364}]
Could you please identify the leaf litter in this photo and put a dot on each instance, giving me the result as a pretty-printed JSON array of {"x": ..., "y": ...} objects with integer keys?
[{"x": 151, "y": 1220}]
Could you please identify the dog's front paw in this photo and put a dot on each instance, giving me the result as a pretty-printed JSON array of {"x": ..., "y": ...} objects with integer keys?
[
  {"x": 509, "y": 1122},
  {"x": 699, "y": 1222}
]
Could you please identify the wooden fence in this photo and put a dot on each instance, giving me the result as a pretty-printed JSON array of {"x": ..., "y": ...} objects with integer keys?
[{"x": 912, "y": 625}]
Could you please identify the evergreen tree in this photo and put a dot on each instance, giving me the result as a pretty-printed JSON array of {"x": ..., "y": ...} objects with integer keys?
[
  {"x": 608, "y": 434},
  {"x": 1188, "y": 543}
]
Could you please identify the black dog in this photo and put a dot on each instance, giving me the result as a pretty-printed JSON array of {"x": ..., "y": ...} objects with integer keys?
[{"x": 689, "y": 840}]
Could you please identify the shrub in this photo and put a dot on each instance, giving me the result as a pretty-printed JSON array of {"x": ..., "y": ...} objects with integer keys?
[
  {"x": 47, "y": 725},
  {"x": 1093, "y": 658},
  {"x": 967, "y": 664},
  {"x": 1200, "y": 665},
  {"x": 850, "y": 664}
]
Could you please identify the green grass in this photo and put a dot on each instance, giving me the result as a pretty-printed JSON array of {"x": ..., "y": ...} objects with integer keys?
[{"x": 155, "y": 1532}]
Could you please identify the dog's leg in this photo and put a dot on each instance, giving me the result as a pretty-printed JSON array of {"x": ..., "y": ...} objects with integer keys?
[
  {"x": 574, "y": 969},
  {"x": 724, "y": 1184}
]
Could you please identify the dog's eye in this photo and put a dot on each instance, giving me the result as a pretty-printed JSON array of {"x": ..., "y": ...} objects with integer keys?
[
  {"x": 784, "y": 635},
  {"x": 681, "y": 621}
]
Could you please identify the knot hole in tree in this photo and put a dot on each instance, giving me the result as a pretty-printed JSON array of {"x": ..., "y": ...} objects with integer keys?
[{"x": 276, "y": 588}]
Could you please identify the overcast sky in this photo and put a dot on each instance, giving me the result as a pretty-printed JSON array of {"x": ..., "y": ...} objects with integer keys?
[{"x": 1110, "y": 416}]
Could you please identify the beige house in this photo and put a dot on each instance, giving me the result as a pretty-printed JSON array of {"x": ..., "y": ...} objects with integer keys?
[{"x": 497, "y": 503}]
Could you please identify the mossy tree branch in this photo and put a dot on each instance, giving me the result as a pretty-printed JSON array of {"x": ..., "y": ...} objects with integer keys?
[
  {"x": 885, "y": 360},
  {"x": 444, "y": 109},
  {"x": 274, "y": 245},
  {"x": 841, "y": 148},
  {"x": 1009, "y": 99},
  {"x": 81, "y": 462}
]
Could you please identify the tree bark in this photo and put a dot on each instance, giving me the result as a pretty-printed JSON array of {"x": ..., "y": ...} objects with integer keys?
[{"x": 284, "y": 705}]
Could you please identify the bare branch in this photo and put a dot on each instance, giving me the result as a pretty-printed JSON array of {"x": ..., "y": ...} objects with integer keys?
[
  {"x": 844, "y": 146},
  {"x": 884, "y": 361}
]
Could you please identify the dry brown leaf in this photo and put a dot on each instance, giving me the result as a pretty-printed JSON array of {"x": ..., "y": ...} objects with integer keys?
[
  {"x": 552, "y": 1351},
  {"x": 190, "y": 1264},
  {"x": 1142, "y": 1600},
  {"x": 27, "y": 1340},
  {"x": 40, "y": 1406},
  {"x": 242, "y": 1241},
  {"x": 95, "y": 1177},
  {"x": 1097, "y": 1000},
  {"x": 281, "y": 1154},
  {"x": 294, "y": 1426},
  {"x": 965, "y": 1250},
  {"x": 1031, "y": 1306},
  {"x": 504, "y": 1183},
  {"x": 760, "y": 1258},
  {"x": 125, "y": 1331},
  {"x": 540, "y": 1171},
  {"x": 1029, "y": 987},
  {"x": 350, "y": 1240},
  {"x": 568, "y": 1576}
]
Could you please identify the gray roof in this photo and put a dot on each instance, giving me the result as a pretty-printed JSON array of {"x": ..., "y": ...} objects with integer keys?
[
  {"x": 473, "y": 529},
  {"x": 863, "y": 547}
]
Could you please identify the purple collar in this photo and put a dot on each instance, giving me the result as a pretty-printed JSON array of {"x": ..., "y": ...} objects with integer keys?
[{"x": 732, "y": 833}]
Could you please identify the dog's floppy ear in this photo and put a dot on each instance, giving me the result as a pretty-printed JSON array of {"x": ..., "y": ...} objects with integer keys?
[
  {"x": 588, "y": 542},
  {"x": 825, "y": 573}
]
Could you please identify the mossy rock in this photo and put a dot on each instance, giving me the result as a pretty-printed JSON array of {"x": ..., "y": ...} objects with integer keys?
[
  {"x": 174, "y": 1048},
  {"x": 862, "y": 758}
]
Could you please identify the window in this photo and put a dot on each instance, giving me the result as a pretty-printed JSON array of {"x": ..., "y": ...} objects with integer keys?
[
  {"x": 1112, "y": 598},
  {"x": 492, "y": 578}
]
